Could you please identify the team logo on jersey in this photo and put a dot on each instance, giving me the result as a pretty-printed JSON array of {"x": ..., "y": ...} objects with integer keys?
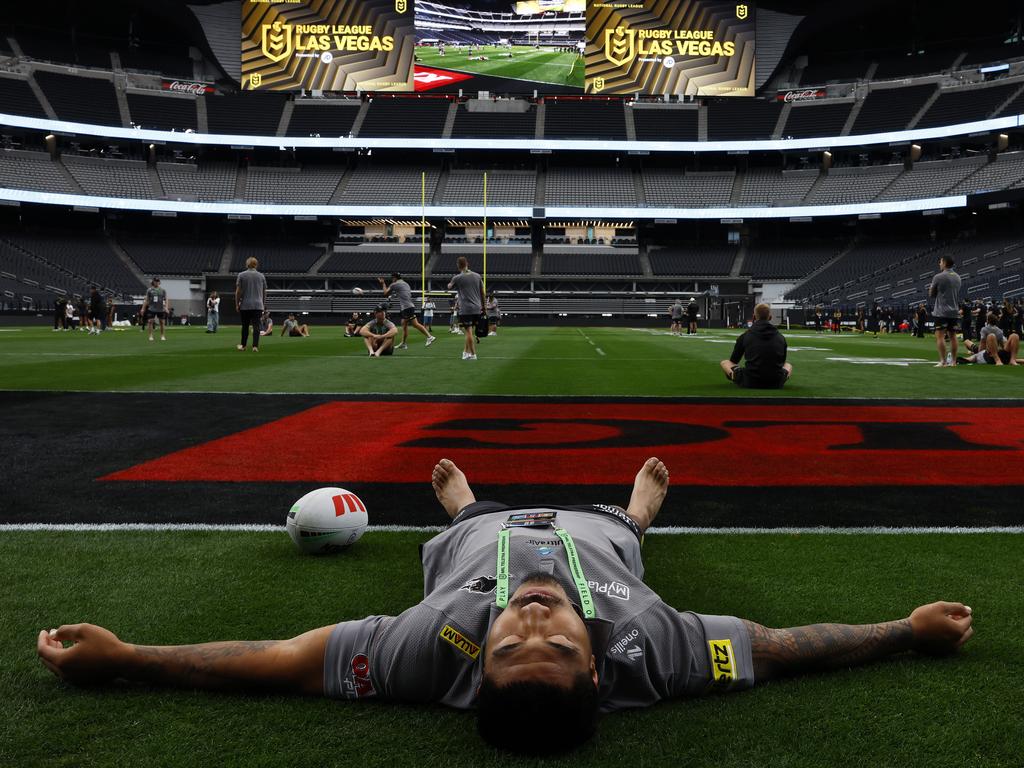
[
  {"x": 723, "y": 663},
  {"x": 610, "y": 588},
  {"x": 357, "y": 684},
  {"x": 481, "y": 585},
  {"x": 451, "y": 635}
]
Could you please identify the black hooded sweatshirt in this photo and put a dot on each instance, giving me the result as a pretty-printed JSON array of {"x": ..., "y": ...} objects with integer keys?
[{"x": 765, "y": 350}]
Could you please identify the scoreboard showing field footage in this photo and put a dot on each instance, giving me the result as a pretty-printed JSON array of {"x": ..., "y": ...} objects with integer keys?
[
  {"x": 676, "y": 47},
  {"x": 331, "y": 45},
  {"x": 500, "y": 45},
  {"x": 650, "y": 47}
]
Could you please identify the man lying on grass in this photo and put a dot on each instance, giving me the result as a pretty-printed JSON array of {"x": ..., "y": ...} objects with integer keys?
[{"x": 538, "y": 617}]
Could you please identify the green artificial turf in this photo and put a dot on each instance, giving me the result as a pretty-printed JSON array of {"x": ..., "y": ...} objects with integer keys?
[
  {"x": 526, "y": 63},
  {"x": 563, "y": 361},
  {"x": 176, "y": 587}
]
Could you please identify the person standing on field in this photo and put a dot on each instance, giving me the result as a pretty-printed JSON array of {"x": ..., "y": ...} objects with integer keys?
[
  {"x": 945, "y": 290},
  {"x": 406, "y": 307},
  {"x": 212, "y": 312},
  {"x": 675, "y": 312},
  {"x": 250, "y": 299},
  {"x": 155, "y": 306},
  {"x": 471, "y": 300}
]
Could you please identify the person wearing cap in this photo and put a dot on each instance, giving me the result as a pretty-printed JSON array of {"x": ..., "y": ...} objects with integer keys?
[
  {"x": 538, "y": 617},
  {"x": 379, "y": 334},
  {"x": 407, "y": 308}
]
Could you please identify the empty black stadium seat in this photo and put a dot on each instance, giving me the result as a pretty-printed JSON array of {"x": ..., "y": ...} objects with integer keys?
[
  {"x": 163, "y": 112},
  {"x": 80, "y": 99},
  {"x": 816, "y": 120},
  {"x": 584, "y": 119},
  {"x": 510, "y": 125},
  {"x": 17, "y": 98},
  {"x": 405, "y": 117},
  {"x": 891, "y": 109},
  {"x": 329, "y": 118},
  {"x": 966, "y": 104},
  {"x": 742, "y": 119},
  {"x": 654, "y": 124},
  {"x": 250, "y": 114}
]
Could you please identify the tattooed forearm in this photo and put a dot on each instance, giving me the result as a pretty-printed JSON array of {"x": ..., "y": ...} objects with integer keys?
[
  {"x": 780, "y": 652},
  {"x": 228, "y": 665}
]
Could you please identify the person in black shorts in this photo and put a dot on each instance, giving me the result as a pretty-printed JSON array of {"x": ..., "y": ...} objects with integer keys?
[
  {"x": 765, "y": 351},
  {"x": 379, "y": 334}
]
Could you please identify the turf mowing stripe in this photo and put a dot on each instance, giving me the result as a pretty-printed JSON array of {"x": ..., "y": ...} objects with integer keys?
[{"x": 666, "y": 530}]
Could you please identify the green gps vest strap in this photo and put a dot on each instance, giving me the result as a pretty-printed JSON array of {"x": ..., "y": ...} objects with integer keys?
[{"x": 501, "y": 592}]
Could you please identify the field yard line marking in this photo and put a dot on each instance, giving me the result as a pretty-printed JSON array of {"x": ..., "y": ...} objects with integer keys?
[
  {"x": 591, "y": 343},
  {"x": 882, "y": 401},
  {"x": 663, "y": 530}
]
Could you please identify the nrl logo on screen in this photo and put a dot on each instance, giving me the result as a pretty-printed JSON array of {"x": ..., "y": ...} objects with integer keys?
[
  {"x": 401, "y": 6},
  {"x": 620, "y": 46},
  {"x": 598, "y": 84},
  {"x": 741, "y": 11},
  {"x": 255, "y": 80},
  {"x": 277, "y": 41}
]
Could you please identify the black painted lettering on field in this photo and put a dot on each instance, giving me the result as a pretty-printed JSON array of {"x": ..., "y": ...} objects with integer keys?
[
  {"x": 889, "y": 435},
  {"x": 631, "y": 433}
]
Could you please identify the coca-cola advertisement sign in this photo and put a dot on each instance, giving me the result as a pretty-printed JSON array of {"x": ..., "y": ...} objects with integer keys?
[
  {"x": 808, "y": 94},
  {"x": 186, "y": 86}
]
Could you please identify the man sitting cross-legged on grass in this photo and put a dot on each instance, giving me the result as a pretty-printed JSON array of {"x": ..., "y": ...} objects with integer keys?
[
  {"x": 536, "y": 616},
  {"x": 994, "y": 348},
  {"x": 379, "y": 334},
  {"x": 765, "y": 350}
]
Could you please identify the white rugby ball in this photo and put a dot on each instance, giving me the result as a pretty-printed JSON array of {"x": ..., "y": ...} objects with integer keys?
[
  {"x": 357, "y": 291},
  {"x": 326, "y": 520}
]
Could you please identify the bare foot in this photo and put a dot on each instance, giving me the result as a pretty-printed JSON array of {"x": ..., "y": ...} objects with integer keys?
[
  {"x": 451, "y": 487},
  {"x": 649, "y": 491}
]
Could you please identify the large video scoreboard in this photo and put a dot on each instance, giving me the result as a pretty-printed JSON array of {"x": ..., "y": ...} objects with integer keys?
[{"x": 647, "y": 47}]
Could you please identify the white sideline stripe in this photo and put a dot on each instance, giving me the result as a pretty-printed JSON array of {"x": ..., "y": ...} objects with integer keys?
[{"x": 663, "y": 530}]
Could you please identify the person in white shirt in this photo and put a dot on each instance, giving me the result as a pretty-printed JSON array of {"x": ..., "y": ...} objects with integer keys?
[{"x": 212, "y": 312}]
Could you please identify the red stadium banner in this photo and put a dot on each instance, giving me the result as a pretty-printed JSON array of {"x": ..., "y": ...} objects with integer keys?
[
  {"x": 187, "y": 86},
  {"x": 808, "y": 94},
  {"x": 742, "y": 445},
  {"x": 427, "y": 79}
]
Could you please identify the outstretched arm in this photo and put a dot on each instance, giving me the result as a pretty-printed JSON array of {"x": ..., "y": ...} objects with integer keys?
[
  {"x": 96, "y": 655},
  {"x": 935, "y": 628}
]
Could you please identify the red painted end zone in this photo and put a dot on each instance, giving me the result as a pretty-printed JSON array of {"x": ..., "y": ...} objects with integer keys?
[{"x": 577, "y": 444}]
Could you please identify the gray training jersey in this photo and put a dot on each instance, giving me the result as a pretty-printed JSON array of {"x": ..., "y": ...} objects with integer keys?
[
  {"x": 469, "y": 286},
  {"x": 946, "y": 287},
  {"x": 401, "y": 289},
  {"x": 253, "y": 285},
  {"x": 433, "y": 652},
  {"x": 155, "y": 298},
  {"x": 676, "y": 311},
  {"x": 993, "y": 330}
]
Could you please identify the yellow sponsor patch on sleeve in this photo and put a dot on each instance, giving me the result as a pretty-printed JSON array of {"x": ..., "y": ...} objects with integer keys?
[
  {"x": 451, "y": 635},
  {"x": 723, "y": 662}
]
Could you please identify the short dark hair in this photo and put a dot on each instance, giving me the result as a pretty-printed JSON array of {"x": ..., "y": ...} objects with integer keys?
[
  {"x": 396, "y": 276},
  {"x": 508, "y": 716},
  {"x": 948, "y": 260}
]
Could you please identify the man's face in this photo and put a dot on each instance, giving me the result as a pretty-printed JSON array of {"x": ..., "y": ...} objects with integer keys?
[
  {"x": 538, "y": 637},
  {"x": 379, "y": 316}
]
